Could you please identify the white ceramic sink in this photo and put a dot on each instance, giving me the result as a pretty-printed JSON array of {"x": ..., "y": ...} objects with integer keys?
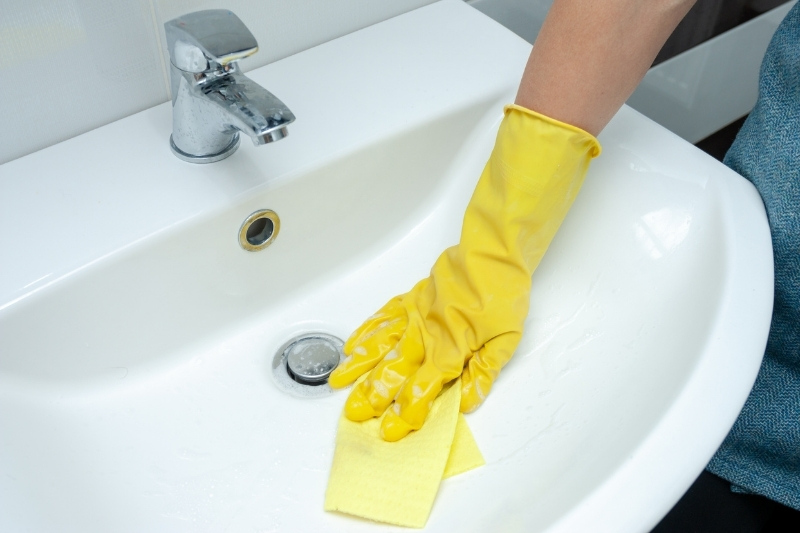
[{"x": 136, "y": 336}]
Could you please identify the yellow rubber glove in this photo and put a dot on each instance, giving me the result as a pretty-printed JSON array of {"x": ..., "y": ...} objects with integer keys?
[{"x": 466, "y": 318}]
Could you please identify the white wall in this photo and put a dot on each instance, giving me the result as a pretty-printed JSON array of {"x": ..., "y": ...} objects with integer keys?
[{"x": 68, "y": 66}]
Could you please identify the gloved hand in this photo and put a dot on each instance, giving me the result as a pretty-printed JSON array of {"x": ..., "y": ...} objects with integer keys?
[{"x": 466, "y": 318}]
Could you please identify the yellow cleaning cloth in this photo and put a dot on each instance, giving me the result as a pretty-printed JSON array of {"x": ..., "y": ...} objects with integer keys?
[
  {"x": 464, "y": 454},
  {"x": 396, "y": 482}
]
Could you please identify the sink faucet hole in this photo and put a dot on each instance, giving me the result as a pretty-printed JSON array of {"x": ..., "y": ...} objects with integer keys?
[{"x": 259, "y": 230}]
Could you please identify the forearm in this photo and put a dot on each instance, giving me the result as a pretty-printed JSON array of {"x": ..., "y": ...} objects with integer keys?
[{"x": 590, "y": 55}]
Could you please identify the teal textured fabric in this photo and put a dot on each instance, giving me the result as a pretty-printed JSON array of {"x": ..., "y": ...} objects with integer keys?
[{"x": 761, "y": 454}]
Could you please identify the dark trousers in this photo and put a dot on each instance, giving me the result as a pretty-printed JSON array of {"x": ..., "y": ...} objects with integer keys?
[{"x": 709, "y": 506}]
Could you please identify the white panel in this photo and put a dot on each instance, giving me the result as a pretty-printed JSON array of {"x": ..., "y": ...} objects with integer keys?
[
  {"x": 285, "y": 27},
  {"x": 706, "y": 88},
  {"x": 71, "y": 66}
]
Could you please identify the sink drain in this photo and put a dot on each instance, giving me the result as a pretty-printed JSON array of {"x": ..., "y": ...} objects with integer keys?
[{"x": 301, "y": 366}]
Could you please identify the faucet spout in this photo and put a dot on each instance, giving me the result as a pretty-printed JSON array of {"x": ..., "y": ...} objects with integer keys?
[
  {"x": 212, "y": 101},
  {"x": 252, "y": 109}
]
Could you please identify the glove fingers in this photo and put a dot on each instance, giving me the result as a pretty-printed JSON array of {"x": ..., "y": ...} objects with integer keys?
[
  {"x": 369, "y": 348},
  {"x": 390, "y": 310},
  {"x": 358, "y": 406},
  {"x": 377, "y": 392},
  {"x": 483, "y": 367},
  {"x": 413, "y": 402},
  {"x": 378, "y": 335}
]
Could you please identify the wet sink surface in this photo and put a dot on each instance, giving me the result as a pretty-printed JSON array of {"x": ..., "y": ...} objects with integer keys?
[{"x": 136, "y": 336}]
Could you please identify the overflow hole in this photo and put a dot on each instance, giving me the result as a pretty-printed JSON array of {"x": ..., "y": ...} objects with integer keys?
[{"x": 259, "y": 230}]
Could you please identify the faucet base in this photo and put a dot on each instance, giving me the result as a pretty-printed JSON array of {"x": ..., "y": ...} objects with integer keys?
[{"x": 210, "y": 158}]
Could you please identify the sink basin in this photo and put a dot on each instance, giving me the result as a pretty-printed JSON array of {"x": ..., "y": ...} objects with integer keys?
[{"x": 137, "y": 336}]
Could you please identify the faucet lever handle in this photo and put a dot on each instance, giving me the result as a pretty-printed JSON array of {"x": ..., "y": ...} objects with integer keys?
[{"x": 202, "y": 40}]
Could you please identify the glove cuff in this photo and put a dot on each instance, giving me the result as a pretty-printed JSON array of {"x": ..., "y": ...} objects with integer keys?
[
  {"x": 533, "y": 149},
  {"x": 579, "y": 136}
]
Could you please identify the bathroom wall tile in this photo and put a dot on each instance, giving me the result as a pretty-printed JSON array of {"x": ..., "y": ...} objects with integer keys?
[{"x": 72, "y": 65}]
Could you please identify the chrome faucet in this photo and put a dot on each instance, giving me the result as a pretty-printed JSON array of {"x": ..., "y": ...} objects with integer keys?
[{"x": 212, "y": 101}]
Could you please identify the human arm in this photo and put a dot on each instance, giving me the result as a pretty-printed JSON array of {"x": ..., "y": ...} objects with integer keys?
[{"x": 590, "y": 56}]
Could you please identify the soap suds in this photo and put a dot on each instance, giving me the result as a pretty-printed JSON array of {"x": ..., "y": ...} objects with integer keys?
[
  {"x": 481, "y": 394},
  {"x": 381, "y": 389}
]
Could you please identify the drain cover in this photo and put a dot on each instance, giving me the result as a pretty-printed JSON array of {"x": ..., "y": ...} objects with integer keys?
[
  {"x": 301, "y": 366},
  {"x": 310, "y": 360}
]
